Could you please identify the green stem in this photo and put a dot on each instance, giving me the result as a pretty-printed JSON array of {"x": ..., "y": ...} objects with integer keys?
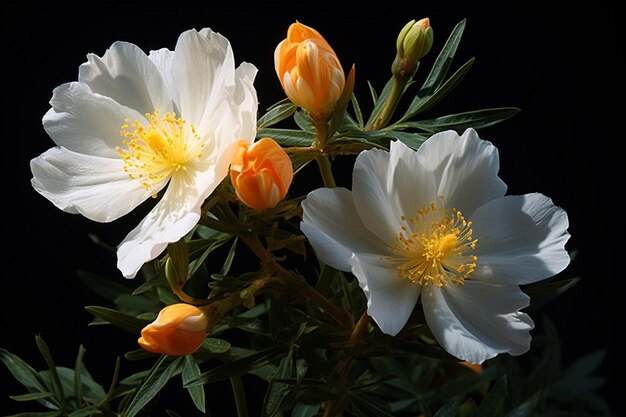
[
  {"x": 340, "y": 316},
  {"x": 383, "y": 117},
  {"x": 334, "y": 406},
  {"x": 186, "y": 298},
  {"x": 325, "y": 169},
  {"x": 240, "y": 396}
]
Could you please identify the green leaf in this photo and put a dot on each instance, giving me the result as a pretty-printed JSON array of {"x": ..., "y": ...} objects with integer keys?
[
  {"x": 160, "y": 374},
  {"x": 31, "y": 396},
  {"x": 277, "y": 392},
  {"x": 171, "y": 413},
  {"x": 54, "y": 376},
  {"x": 237, "y": 367},
  {"x": 38, "y": 414},
  {"x": 305, "y": 410},
  {"x": 526, "y": 409},
  {"x": 380, "y": 101},
  {"x": 123, "y": 321},
  {"x": 216, "y": 345},
  {"x": 287, "y": 137},
  {"x": 111, "y": 391},
  {"x": 303, "y": 121},
  {"x": 357, "y": 111},
  {"x": 139, "y": 354},
  {"x": 440, "y": 68},
  {"x": 449, "y": 409},
  {"x": 363, "y": 407},
  {"x": 85, "y": 412},
  {"x": 22, "y": 371},
  {"x": 373, "y": 93},
  {"x": 209, "y": 246},
  {"x": 177, "y": 263},
  {"x": 422, "y": 103},
  {"x": 91, "y": 390},
  {"x": 78, "y": 370},
  {"x": 460, "y": 121},
  {"x": 192, "y": 370},
  {"x": 228, "y": 262},
  {"x": 493, "y": 404},
  {"x": 149, "y": 284},
  {"x": 276, "y": 114}
]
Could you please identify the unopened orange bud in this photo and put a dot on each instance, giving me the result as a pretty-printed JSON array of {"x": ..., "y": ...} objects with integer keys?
[
  {"x": 309, "y": 70},
  {"x": 261, "y": 173},
  {"x": 178, "y": 330}
]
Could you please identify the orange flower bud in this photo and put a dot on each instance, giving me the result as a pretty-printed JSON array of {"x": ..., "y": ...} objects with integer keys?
[
  {"x": 178, "y": 330},
  {"x": 309, "y": 70},
  {"x": 261, "y": 173}
]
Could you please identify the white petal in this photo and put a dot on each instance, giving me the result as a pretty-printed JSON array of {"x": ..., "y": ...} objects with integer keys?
[
  {"x": 389, "y": 185},
  {"x": 409, "y": 181},
  {"x": 521, "y": 239},
  {"x": 465, "y": 168},
  {"x": 127, "y": 75},
  {"x": 98, "y": 188},
  {"x": 162, "y": 59},
  {"x": 84, "y": 122},
  {"x": 332, "y": 225},
  {"x": 171, "y": 219},
  {"x": 390, "y": 299},
  {"x": 202, "y": 67},
  {"x": 477, "y": 321}
]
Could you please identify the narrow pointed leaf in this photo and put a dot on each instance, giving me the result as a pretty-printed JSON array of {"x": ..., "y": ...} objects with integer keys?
[
  {"x": 287, "y": 137},
  {"x": 123, "y": 321},
  {"x": 423, "y": 103},
  {"x": 161, "y": 372},
  {"x": 440, "y": 68},
  {"x": 357, "y": 111},
  {"x": 22, "y": 371},
  {"x": 31, "y": 396},
  {"x": 276, "y": 114},
  {"x": 190, "y": 371},
  {"x": 476, "y": 119},
  {"x": 54, "y": 376},
  {"x": 237, "y": 367},
  {"x": 78, "y": 370}
]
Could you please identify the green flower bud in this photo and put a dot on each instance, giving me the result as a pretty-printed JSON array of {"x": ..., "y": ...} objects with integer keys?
[{"x": 414, "y": 42}]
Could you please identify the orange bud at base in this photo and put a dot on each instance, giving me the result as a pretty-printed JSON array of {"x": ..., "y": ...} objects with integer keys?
[{"x": 178, "y": 330}]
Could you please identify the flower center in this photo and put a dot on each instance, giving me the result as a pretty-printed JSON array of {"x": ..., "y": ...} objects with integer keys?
[
  {"x": 435, "y": 247},
  {"x": 153, "y": 153}
]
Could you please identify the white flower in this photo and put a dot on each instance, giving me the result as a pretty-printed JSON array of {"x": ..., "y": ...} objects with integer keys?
[
  {"x": 134, "y": 124},
  {"x": 435, "y": 222}
]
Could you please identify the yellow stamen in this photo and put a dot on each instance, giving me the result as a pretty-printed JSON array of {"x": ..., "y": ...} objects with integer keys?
[
  {"x": 154, "y": 152},
  {"x": 435, "y": 247}
]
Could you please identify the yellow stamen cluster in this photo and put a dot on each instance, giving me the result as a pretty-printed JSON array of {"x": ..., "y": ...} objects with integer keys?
[
  {"x": 154, "y": 152},
  {"x": 435, "y": 247}
]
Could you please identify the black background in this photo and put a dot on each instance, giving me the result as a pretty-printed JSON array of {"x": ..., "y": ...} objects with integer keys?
[{"x": 560, "y": 67}]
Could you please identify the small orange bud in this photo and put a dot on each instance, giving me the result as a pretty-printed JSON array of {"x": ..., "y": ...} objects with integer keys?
[
  {"x": 309, "y": 70},
  {"x": 178, "y": 330},
  {"x": 261, "y": 173}
]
